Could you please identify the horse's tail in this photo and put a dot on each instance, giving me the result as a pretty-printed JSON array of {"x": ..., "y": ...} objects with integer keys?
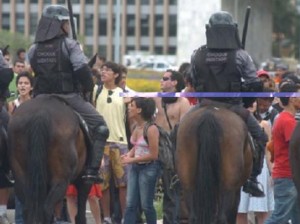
[
  {"x": 38, "y": 135},
  {"x": 208, "y": 169}
]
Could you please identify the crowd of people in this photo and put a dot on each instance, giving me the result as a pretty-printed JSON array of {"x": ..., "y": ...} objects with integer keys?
[{"x": 128, "y": 164}]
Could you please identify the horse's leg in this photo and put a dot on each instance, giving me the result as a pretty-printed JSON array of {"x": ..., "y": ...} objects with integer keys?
[
  {"x": 55, "y": 196},
  {"x": 188, "y": 197},
  {"x": 19, "y": 188},
  {"x": 83, "y": 190},
  {"x": 228, "y": 208},
  {"x": 233, "y": 212}
]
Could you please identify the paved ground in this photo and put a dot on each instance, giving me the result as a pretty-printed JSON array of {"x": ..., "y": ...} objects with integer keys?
[{"x": 89, "y": 217}]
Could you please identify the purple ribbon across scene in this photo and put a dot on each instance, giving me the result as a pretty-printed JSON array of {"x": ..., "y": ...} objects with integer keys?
[{"x": 210, "y": 94}]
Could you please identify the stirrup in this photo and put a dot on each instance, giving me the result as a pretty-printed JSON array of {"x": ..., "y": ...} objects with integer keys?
[
  {"x": 252, "y": 188},
  {"x": 92, "y": 177},
  {"x": 10, "y": 177},
  {"x": 174, "y": 181}
]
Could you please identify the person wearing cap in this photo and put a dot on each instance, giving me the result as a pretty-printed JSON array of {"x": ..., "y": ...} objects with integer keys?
[
  {"x": 61, "y": 68},
  {"x": 266, "y": 79},
  {"x": 263, "y": 75},
  {"x": 220, "y": 66}
]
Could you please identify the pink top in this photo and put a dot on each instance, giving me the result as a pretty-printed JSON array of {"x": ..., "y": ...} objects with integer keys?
[{"x": 140, "y": 146}]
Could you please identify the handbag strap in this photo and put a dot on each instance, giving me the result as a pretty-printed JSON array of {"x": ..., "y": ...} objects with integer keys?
[{"x": 164, "y": 105}]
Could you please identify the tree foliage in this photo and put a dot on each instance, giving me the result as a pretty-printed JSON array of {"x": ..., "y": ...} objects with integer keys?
[
  {"x": 14, "y": 40},
  {"x": 285, "y": 15},
  {"x": 286, "y": 25}
]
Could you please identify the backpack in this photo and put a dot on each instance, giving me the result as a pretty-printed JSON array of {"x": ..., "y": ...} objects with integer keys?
[{"x": 165, "y": 146}]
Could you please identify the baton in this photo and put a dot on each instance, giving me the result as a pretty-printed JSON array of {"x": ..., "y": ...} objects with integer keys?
[
  {"x": 71, "y": 19},
  {"x": 245, "y": 29}
]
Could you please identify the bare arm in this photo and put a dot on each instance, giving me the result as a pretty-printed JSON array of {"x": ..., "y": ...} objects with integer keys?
[
  {"x": 184, "y": 106},
  {"x": 267, "y": 128},
  {"x": 10, "y": 107}
]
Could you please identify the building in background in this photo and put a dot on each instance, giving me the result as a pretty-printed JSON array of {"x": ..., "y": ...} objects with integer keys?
[
  {"x": 146, "y": 25},
  {"x": 152, "y": 27},
  {"x": 193, "y": 15}
]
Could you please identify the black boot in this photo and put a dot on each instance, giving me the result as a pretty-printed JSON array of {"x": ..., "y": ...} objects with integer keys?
[
  {"x": 92, "y": 174},
  {"x": 252, "y": 185}
]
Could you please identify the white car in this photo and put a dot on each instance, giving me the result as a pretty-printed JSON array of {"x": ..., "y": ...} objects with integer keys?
[{"x": 158, "y": 66}]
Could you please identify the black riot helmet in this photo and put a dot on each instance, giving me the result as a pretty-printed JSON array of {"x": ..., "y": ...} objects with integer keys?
[
  {"x": 56, "y": 12},
  {"x": 50, "y": 25},
  {"x": 222, "y": 32},
  {"x": 221, "y": 18}
]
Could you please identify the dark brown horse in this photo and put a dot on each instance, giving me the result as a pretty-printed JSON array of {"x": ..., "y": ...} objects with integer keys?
[
  {"x": 295, "y": 157},
  {"x": 47, "y": 151},
  {"x": 213, "y": 161}
]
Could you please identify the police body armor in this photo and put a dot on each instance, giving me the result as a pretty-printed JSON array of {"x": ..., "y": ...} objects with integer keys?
[
  {"x": 216, "y": 71},
  {"x": 53, "y": 70}
]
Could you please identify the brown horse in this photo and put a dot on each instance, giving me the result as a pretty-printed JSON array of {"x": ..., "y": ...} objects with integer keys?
[
  {"x": 213, "y": 161},
  {"x": 295, "y": 157},
  {"x": 47, "y": 152}
]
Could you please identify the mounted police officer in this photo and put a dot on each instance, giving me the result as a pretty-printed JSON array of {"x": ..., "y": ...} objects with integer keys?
[
  {"x": 61, "y": 69},
  {"x": 220, "y": 66},
  {"x": 6, "y": 76}
]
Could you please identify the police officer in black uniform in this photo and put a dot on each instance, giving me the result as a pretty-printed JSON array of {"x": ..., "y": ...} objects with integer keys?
[
  {"x": 61, "y": 68},
  {"x": 6, "y": 76},
  {"x": 220, "y": 66}
]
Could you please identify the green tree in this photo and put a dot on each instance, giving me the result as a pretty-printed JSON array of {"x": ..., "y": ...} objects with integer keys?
[
  {"x": 285, "y": 27},
  {"x": 14, "y": 40}
]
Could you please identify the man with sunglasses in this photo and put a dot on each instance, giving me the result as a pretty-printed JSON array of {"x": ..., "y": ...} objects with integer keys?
[
  {"x": 220, "y": 66},
  {"x": 61, "y": 69},
  {"x": 112, "y": 107},
  {"x": 170, "y": 110}
]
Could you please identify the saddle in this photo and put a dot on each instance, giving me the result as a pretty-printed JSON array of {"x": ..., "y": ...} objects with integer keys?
[
  {"x": 85, "y": 130},
  {"x": 241, "y": 111},
  {"x": 82, "y": 124}
]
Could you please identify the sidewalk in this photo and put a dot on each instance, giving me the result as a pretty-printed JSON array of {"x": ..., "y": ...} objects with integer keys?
[{"x": 11, "y": 213}]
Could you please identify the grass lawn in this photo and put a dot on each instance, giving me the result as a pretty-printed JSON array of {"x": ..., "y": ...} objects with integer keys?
[{"x": 144, "y": 81}]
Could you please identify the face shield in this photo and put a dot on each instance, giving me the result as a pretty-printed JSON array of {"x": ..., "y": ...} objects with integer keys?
[{"x": 222, "y": 32}]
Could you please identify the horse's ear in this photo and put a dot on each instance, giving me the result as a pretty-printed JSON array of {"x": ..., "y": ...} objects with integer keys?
[{"x": 93, "y": 61}]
